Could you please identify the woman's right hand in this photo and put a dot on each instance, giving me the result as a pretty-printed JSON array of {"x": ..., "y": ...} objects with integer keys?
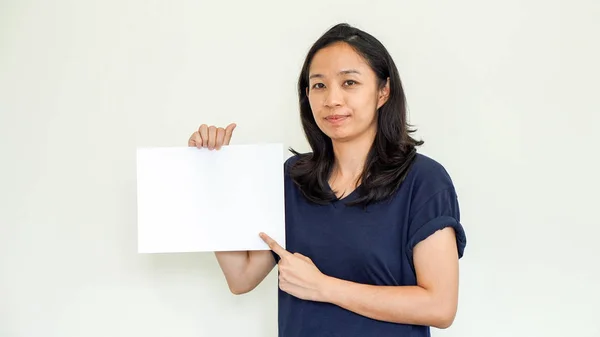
[{"x": 211, "y": 137}]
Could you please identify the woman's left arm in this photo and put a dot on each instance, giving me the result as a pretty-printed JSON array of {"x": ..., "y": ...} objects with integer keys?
[{"x": 432, "y": 302}]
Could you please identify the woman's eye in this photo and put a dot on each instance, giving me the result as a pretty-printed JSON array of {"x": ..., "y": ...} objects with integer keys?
[
  {"x": 318, "y": 86},
  {"x": 350, "y": 82}
]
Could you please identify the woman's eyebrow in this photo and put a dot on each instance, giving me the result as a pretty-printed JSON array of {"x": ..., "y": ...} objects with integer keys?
[
  {"x": 343, "y": 72},
  {"x": 349, "y": 71}
]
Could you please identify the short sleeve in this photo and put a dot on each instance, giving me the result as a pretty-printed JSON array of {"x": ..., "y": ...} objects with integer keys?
[{"x": 439, "y": 211}]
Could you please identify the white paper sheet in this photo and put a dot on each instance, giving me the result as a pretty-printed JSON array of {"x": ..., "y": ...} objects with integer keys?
[{"x": 197, "y": 200}]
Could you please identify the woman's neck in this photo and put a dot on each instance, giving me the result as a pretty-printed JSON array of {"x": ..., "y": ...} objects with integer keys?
[{"x": 350, "y": 157}]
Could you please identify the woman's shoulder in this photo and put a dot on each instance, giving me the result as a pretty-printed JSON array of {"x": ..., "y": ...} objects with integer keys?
[
  {"x": 427, "y": 180},
  {"x": 427, "y": 171},
  {"x": 293, "y": 159}
]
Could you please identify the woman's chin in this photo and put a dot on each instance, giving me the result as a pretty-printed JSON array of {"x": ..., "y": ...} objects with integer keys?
[
  {"x": 346, "y": 134},
  {"x": 340, "y": 136}
]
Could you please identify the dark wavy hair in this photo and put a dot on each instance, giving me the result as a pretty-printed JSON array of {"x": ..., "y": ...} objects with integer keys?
[{"x": 393, "y": 149}]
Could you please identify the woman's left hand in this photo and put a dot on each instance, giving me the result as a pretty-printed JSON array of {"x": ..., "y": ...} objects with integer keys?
[{"x": 298, "y": 275}]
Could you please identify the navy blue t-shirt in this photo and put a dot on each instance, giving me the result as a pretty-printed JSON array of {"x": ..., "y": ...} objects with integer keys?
[{"x": 372, "y": 246}]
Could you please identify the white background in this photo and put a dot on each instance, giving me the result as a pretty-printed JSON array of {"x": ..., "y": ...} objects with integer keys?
[{"x": 505, "y": 94}]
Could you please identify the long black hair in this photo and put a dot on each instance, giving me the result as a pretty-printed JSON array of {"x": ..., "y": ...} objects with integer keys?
[{"x": 393, "y": 149}]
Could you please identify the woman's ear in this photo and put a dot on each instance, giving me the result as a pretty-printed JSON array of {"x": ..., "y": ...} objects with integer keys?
[{"x": 384, "y": 94}]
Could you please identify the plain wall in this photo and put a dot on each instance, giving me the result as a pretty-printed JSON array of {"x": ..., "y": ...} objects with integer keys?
[{"x": 504, "y": 93}]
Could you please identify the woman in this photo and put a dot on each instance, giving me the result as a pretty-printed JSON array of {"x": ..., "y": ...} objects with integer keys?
[{"x": 372, "y": 227}]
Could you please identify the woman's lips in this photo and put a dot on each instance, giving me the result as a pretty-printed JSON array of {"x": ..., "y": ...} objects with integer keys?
[{"x": 336, "y": 119}]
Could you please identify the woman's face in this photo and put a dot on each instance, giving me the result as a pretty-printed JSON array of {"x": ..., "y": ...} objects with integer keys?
[{"x": 343, "y": 93}]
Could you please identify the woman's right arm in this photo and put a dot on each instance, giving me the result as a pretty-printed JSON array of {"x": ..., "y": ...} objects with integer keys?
[{"x": 243, "y": 270}]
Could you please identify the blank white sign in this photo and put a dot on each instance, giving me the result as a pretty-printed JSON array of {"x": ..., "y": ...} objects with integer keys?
[{"x": 198, "y": 200}]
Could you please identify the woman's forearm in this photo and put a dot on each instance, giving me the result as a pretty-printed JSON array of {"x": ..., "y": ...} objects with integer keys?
[{"x": 399, "y": 304}]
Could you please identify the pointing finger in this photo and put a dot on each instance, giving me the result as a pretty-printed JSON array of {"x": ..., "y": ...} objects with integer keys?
[{"x": 274, "y": 245}]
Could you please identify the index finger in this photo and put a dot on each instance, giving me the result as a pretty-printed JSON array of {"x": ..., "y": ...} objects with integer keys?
[
  {"x": 274, "y": 245},
  {"x": 195, "y": 140}
]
